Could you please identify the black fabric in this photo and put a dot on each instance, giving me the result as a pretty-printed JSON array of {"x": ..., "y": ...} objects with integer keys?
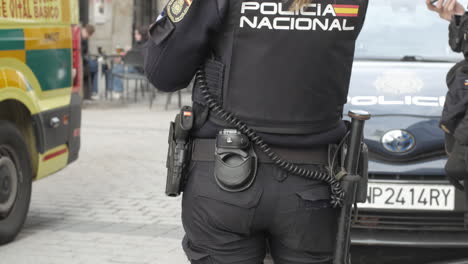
[
  {"x": 457, "y": 164},
  {"x": 458, "y": 28},
  {"x": 214, "y": 74},
  {"x": 287, "y": 81},
  {"x": 285, "y": 72},
  {"x": 287, "y": 76},
  {"x": 141, "y": 48},
  {"x": 466, "y": 192},
  {"x": 84, "y": 47},
  {"x": 294, "y": 216},
  {"x": 455, "y": 40},
  {"x": 176, "y": 50},
  {"x": 449, "y": 143},
  {"x": 454, "y": 118},
  {"x": 203, "y": 149},
  {"x": 210, "y": 130},
  {"x": 461, "y": 133},
  {"x": 456, "y": 168}
]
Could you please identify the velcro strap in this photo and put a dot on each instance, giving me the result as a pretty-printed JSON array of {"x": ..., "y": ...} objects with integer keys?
[{"x": 204, "y": 150}]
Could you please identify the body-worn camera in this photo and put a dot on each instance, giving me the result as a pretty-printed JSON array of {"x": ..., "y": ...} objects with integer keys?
[
  {"x": 178, "y": 153},
  {"x": 236, "y": 163}
]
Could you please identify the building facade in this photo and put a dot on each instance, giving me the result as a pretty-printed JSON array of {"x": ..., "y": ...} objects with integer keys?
[{"x": 116, "y": 20}]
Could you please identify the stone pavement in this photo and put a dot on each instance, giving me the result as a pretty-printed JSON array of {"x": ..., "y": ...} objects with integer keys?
[{"x": 109, "y": 206}]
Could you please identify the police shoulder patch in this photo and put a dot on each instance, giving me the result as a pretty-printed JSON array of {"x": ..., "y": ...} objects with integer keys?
[{"x": 177, "y": 9}]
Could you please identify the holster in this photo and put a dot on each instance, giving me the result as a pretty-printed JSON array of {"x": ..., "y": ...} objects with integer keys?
[{"x": 178, "y": 152}]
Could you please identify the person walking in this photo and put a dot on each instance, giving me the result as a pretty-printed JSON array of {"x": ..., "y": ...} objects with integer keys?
[
  {"x": 89, "y": 64},
  {"x": 283, "y": 69}
]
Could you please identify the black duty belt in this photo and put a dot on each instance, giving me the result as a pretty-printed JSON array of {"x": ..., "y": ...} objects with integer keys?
[{"x": 204, "y": 149}]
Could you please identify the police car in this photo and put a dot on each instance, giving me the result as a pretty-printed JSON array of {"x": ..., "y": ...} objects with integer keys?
[{"x": 402, "y": 58}]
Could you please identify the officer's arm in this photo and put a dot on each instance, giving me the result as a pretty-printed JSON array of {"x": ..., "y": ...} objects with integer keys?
[
  {"x": 461, "y": 133},
  {"x": 455, "y": 38},
  {"x": 179, "y": 42}
]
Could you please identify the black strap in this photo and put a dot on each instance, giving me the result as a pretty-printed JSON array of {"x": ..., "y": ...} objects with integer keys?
[{"x": 204, "y": 149}]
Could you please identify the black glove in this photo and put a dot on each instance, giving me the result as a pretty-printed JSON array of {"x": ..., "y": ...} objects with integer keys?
[{"x": 456, "y": 168}]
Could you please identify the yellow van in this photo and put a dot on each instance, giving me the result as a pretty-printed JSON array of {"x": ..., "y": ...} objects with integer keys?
[{"x": 40, "y": 103}]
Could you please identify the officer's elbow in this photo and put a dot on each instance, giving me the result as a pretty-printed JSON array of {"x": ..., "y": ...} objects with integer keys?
[
  {"x": 161, "y": 82},
  {"x": 163, "y": 79},
  {"x": 155, "y": 73}
]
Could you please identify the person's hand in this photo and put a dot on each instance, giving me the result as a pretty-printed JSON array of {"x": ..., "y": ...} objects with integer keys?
[{"x": 446, "y": 8}]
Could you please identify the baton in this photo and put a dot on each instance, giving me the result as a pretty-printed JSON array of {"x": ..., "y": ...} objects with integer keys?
[{"x": 350, "y": 185}]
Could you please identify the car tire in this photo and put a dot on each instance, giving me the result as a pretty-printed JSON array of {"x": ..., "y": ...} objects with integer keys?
[{"x": 15, "y": 196}]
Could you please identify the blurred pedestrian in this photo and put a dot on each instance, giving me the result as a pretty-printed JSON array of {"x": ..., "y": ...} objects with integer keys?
[
  {"x": 141, "y": 38},
  {"x": 86, "y": 33},
  {"x": 89, "y": 64}
]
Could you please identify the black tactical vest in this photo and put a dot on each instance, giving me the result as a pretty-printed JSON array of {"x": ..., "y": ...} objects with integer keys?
[{"x": 283, "y": 71}]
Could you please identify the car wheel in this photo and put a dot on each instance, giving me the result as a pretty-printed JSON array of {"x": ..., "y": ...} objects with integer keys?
[{"x": 15, "y": 181}]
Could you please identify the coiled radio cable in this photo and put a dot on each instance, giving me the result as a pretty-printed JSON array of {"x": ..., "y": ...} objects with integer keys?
[{"x": 337, "y": 192}]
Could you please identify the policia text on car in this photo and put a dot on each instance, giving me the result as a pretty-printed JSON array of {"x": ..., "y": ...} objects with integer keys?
[
  {"x": 271, "y": 81},
  {"x": 454, "y": 119}
]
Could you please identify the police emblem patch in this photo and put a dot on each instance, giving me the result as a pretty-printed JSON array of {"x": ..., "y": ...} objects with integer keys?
[{"x": 177, "y": 9}]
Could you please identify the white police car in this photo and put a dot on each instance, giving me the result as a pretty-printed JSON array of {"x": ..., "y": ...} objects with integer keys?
[{"x": 402, "y": 58}]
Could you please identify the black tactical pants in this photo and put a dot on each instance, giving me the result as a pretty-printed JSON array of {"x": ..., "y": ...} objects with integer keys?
[{"x": 293, "y": 216}]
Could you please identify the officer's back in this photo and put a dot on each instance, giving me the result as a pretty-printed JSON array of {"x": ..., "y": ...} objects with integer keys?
[
  {"x": 273, "y": 71},
  {"x": 283, "y": 72}
]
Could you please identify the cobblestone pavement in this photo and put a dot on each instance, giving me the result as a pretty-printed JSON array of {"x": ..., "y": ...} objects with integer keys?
[{"x": 109, "y": 206}]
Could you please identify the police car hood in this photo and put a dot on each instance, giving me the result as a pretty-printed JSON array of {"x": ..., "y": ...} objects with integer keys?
[
  {"x": 416, "y": 88},
  {"x": 405, "y": 96}
]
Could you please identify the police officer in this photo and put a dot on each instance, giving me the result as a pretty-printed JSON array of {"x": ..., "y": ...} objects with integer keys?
[
  {"x": 454, "y": 119},
  {"x": 282, "y": 68}
]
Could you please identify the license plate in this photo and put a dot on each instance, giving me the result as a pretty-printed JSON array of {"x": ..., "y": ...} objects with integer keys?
[{"x": 410, "y": 196}]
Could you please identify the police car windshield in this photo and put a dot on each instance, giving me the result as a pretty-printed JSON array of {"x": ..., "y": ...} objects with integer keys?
[{"x": 397, "y": 29}]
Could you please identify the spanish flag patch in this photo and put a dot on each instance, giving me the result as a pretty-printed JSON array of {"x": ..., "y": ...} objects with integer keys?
[
  {"x": 177, "y": 9},
  {"x": 346, "y": 10}
]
